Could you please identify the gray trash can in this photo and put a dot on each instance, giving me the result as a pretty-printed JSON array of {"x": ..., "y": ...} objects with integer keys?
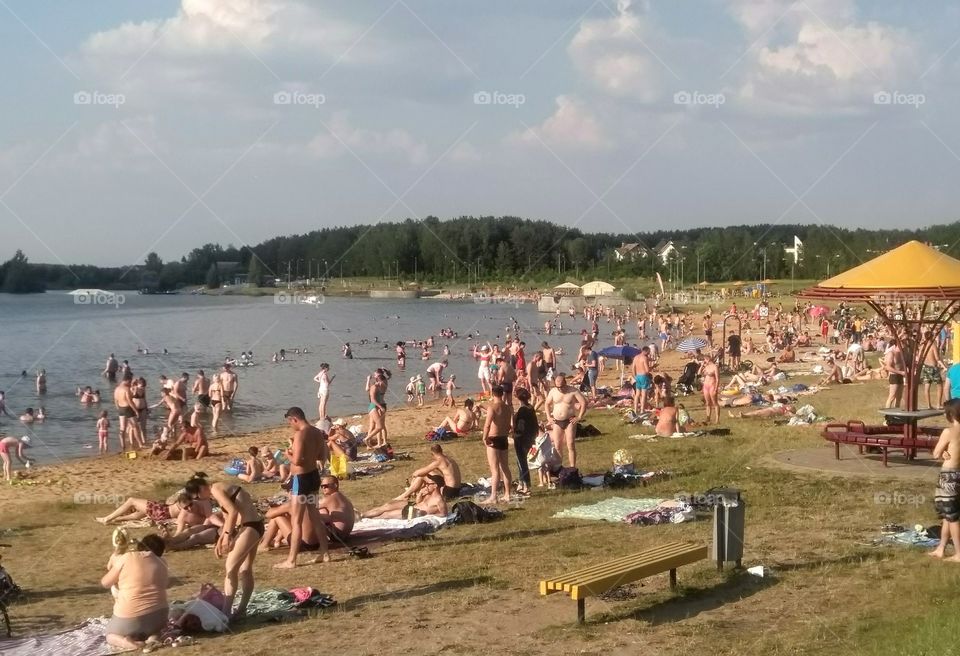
[{"x": 729, "y": 514}]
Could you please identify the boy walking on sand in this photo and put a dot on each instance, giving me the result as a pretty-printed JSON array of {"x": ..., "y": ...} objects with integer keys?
[
  {"x": 946, "y": 499},
  {"x": 450, "y": 385}
]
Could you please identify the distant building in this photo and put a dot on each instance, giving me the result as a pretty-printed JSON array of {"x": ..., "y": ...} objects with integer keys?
[
  {"x": 630, "y": 252},
  {"x": 231, "y": 274},
  {"x": 664, "y": 250}
]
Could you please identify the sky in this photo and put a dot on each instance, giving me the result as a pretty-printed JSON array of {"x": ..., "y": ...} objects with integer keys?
[{"x": 161, "y": 125}]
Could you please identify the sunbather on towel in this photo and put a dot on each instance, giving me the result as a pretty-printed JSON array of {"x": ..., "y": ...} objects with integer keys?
[
  {"x": 336, "y": 512},
  {"x": 429, "y": 501},
  {"x": 441, "y": 465},
  {"x": 667, "y": 423},
  {"x": 463, "y": 422}
]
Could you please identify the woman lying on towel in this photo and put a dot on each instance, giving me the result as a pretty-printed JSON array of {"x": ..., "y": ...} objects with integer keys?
[{"x": 156, "y": 511}]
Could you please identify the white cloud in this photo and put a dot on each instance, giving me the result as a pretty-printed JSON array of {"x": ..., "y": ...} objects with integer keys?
[
  {"x": 363, "y": 141},
  {"x": 571, "y": 126},
  {"x": 612, "y": 54},
  {"x": 815, "y": 58},
  {"x": 465, "y": 152}
]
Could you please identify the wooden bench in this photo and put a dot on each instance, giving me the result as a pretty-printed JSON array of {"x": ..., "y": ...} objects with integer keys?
[
  {"x": 884, "y": 438},
  {"x": 595, "y": 580}
]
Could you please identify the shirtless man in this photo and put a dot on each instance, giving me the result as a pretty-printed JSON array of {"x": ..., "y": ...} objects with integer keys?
[
  {"x": 496, "y": 431},
  {"x": 336, "y": 515},
  {"x": 506, "y": 376},
  {"x": 643, "y": 382},
  {"x": 309, "y": 445},
  {"x": 229, "y": 383},
  {"x": 173, "y": 409},
  {"x": 463, "y": 422},
  {"x": 201, "y": 389},
  {"x": 441, "y": 465},
  {"x": 931, "y": 372},
  {"x": 895, "y": 367},
  {"x": 565, "y": 408},
  {"x": 123, "y": 399},
  {"x": 429, "y": 501},
  {"x": 190, "y": 437},
  {"x": 946, "y": 499},
  {"x": 549, "y": 357},
  {"x": 180, "y": 391},
  {"x": 535, "y": 379}
]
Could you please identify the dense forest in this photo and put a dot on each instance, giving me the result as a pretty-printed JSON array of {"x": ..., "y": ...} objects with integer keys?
[{"x": 478, "y": 251}]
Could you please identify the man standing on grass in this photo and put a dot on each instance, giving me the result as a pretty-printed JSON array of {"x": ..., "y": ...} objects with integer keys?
[
  {"x": 642, "y": 381},
  {"x": 496, "y": 431},
  {"x": 309, "y": 445},
  {"x": 565, "y": 407},
  {"x": 946, "y": 498}
]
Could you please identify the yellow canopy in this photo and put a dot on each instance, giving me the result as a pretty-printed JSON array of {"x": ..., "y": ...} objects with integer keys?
[{"x": 911, "y": 266}]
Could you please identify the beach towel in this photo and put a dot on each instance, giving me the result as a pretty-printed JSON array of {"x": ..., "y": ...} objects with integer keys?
[
  {"x": 197, "y": 613},
  {"x": 371, "y": 531},
  {"x": 87, "y": 639},
  {"x": 615, "y": 509}
]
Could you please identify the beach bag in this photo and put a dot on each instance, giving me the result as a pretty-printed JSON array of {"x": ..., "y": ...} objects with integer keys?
[
  {"x": 235, "y": 466},
  {"x": 569, "y": 479},
  {"x": 210, "y": 594},
  {"x": 587, "y": 430},
  {"x": 467, "y": 512},
  {"x": 432, "y": 436}
]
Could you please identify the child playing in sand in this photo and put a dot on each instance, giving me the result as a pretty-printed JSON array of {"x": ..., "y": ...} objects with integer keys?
[
  {"x": 103, "y": 430},
  {"x": 254, "y": 468},
  {"x": 451, "y": 385},
  {"x": 946, "y": 499}
]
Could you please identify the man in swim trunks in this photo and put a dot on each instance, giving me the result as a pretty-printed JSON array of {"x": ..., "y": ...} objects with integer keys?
[
  {"x": 931, "y": 372},
  {"x": 201, "y": 388},
  {"x": 429, "y": 501},
  {"x": 565, "y": 408},
  {"x": 440, "y": 465},
  {"x": 464, "y": 421},
  {"x": 496, "y": 431},
  {"x": 309, "y": 446},
  {"x": 894, "y": 365},
  {"x": 946, "y": 500},
  {"x": 642, "y": 380},
  {"x": 123, "y": 399},
  {"x": 229, "y": 384},
  {"x": 336, "y": 514},
  {"x": 549, "y": 357}
]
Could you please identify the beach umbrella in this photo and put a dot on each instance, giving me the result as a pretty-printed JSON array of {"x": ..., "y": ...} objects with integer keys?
[
  {"x": 620, "y": 352},
  {"x": 691, "y": 344}
]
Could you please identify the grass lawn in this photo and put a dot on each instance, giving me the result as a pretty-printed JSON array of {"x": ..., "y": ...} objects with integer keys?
[{"x": 473, "y": 589}]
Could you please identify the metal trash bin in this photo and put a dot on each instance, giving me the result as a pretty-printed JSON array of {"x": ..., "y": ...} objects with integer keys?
[{"x": 729, "y": 514}]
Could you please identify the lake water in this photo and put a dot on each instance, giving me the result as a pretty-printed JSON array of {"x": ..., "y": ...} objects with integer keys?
[{"x": 72, "y": 341}]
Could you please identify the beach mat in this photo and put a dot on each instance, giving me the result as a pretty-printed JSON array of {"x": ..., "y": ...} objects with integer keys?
[
  {"x": 87, "y": 639},
  {"x": 615, "y": 509}
]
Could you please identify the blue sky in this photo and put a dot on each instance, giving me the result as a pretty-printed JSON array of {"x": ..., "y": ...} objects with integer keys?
[{"x": 160, "y": 125}]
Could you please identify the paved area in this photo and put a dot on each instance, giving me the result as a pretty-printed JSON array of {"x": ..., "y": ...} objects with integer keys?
[{"x": 821, "y": 460}]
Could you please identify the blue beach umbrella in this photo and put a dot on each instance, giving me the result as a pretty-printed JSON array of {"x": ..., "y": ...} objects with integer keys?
[
  {"x": 691, "y": 344},
  {"x": 620, "y": 352}
]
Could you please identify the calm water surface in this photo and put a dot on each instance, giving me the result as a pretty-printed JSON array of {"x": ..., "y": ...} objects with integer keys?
[{"x": 72, "y": 342}]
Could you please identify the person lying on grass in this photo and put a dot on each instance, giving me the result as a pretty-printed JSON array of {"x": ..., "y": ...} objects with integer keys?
[
  {"x": 429, "y": 501},
  {"x": 156, "y": 511}
]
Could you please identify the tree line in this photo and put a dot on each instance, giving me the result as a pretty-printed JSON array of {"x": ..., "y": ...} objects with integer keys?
[{"x": 478, "y": 251}]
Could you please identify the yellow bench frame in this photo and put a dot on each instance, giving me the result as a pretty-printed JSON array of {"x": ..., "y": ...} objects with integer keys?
[{"x": 597, "y": 579}]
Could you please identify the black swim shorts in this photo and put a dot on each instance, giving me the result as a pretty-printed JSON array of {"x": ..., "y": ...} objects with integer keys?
[
  {"x": 305, "y": 484},
  {"x": 895, "y": 379},
  {"x": 499, "y": 442}
]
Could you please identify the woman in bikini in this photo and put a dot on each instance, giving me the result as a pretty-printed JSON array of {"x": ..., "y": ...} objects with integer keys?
[
  {"x": 323, "y": 379},
  {"x": 711, "y": 389},
  {"x": 216, "y": 401},
  {"x": 17, "y": 445},
  {"x": 242, "y": 529},
  {"x": 483, "y": 372},
  {"x": 138, "y": 392},
  {"x": 377, "y": 410}
]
